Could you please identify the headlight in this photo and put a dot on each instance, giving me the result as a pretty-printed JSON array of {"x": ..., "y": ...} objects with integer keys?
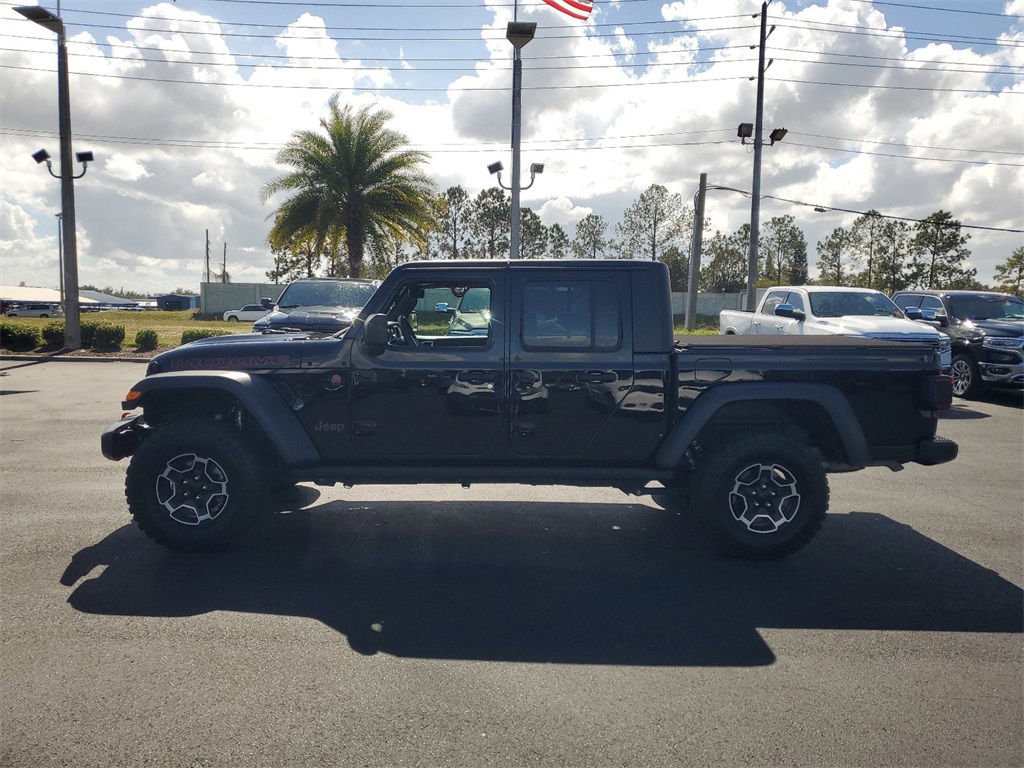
[
  {"x": 1002, "y": 342},
  {"x": 945, "y": 343}
]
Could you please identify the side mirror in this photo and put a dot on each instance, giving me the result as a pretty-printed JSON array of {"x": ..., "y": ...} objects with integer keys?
[
  {"x": 266, "y": 303},
  {"x": 443, "y": 308},
  {"x": 375, "y": 333},
  {"x": 913, "y": 313},
  {"x": 942, "y": 320},
  {"x": 788, "y": 310}
]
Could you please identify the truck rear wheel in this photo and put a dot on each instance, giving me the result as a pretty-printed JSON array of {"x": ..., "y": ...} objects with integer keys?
[
  {"x": 761, "y": 496},
  {"x": 194, "y": 486}
]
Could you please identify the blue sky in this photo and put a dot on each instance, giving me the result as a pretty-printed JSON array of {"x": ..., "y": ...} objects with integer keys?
[{"x": 902, "y": 107}]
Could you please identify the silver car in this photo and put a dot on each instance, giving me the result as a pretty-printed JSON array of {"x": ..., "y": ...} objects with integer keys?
[{"x": 35, "y": 310}]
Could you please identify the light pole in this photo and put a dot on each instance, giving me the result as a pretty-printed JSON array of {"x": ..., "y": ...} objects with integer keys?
[
  {"x": 72, "y": 317},
  {"x": 519, "y": 33},
  {"x": 697, "y": 245}
]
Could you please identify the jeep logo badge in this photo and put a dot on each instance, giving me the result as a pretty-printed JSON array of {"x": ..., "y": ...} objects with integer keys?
[{"x": 323, "y": 426}]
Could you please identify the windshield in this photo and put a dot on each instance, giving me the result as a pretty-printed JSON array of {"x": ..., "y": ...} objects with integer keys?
[
  {"x": 983, "y": 307},
  {"x": 846, "y": 303},
  {"x": 475, "y": 300},
  {"x": 326, "y": 294}
]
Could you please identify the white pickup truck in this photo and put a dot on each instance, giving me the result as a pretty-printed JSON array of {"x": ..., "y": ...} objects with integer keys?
[{"x": 817, "y": 310}]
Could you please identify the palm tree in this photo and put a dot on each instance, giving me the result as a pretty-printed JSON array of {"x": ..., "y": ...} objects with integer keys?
[{"x": 357, "y": 182}]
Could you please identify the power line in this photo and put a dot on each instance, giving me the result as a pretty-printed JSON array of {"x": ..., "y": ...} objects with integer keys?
[
  {"x": 792, "y": 23},
  {"x": 935, "y": 8},
  {"x": 584, "y": 143},
  {"x": 338, "y": 63},
  {"x": 823, "y": 208},
  {"x": 318, "y": 27},
  {"x": 448, "y": 88},
  {"x": 909, "y": 146}
]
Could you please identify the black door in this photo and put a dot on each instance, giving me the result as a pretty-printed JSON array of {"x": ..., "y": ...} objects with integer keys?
[
  {"x": 438, "y": 388},
  {"x": 571, "y": 359}
]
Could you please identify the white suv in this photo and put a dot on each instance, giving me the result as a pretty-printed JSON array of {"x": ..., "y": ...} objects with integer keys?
[
  {"x": 248, "y": 313},
  {"x": 35, "y": 310}
]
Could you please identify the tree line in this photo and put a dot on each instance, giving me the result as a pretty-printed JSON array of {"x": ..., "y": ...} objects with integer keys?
[{"x": 360, "y": 204}]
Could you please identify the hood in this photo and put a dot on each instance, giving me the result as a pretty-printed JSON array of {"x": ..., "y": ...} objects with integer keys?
[
  {"x": 242, "y": 338},
  {"x": 1011, "y": 328},
  {"x": 884, "y": 327},
  {"x": 239, "y": 352},
  {"x": 327, "y": 320}
]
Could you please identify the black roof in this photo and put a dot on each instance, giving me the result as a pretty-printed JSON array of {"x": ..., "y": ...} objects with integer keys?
[{"x": 931, "y": 292}]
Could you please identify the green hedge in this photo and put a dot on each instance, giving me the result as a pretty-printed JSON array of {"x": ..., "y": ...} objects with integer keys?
[
  {"x": 146, "y": 340},
  {"x": 194, "y": 334},
  {"x": 53, "y": 334},
  {"x": 109, "y": 336},
  {"x": 17, "y": 337},
  {"x": 89, "y": 332}
]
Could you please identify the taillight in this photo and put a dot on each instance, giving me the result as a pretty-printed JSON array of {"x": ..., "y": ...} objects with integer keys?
[{"x": 937, "y": 392}]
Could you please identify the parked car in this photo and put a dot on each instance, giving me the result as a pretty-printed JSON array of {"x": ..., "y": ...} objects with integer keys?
[
  {"x": 36, "y": 310},
  {"x": 822, "y": 310},
  {"x": 248, "y": 313},
  {"x": 986, "y": 330},
  {"x": 316, "y": 305}
]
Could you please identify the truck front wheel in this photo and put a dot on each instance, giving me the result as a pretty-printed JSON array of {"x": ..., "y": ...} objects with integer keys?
[
  {"x": 194, "y": 486},
  {"x": 966, "y": 378},
  {"x": 761, "y": 496}
]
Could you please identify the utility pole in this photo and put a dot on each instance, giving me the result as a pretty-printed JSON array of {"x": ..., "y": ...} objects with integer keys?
[
  {"x": 695, "y": 251},
  {"x": 60, "y": 257},
  {"x": 207, "y": 255},
  {"x": 755, "y": 200},
  {"x": 224, "y": 265}
]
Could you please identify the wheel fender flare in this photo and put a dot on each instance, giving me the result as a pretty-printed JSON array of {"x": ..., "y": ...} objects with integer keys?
[
  {"x": 257, "y": 396},
  {"x": 706, "y": 405}
]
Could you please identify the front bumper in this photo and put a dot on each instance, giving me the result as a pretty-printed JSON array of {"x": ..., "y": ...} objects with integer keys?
[
  {"x": 121, "y": 438},
  {"x": 1002, "y": 373}
]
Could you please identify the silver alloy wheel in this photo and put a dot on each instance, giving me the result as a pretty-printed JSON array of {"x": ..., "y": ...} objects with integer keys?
[
  {"x": 193, "y": 489},
  {"x": 963, "y": 376},
  {"x": 764, "y": 497}
]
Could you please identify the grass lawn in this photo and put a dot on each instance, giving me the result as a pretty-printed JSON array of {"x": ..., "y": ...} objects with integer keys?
[{"x": 168, "y": 325}]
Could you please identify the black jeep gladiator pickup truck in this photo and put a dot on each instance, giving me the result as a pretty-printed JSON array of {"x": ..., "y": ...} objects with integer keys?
[{"x": 575, "y": 380}]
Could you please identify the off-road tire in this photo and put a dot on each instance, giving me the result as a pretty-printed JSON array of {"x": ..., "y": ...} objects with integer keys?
[
  {"x": 195, "y": 486},
  {"x": 760, "y": 496}
]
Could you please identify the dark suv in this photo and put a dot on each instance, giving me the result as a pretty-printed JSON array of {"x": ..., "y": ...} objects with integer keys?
[{"x": 987, "y": 332}]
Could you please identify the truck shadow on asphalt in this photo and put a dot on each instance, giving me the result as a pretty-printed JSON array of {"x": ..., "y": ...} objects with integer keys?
[{"x": 563, "y": 583}]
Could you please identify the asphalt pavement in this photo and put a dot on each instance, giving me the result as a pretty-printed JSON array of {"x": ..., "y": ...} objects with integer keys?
[{"x": 502, "y": 625}]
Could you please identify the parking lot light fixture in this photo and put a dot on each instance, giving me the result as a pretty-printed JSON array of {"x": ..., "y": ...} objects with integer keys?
[{"x": 72, "y": 316}]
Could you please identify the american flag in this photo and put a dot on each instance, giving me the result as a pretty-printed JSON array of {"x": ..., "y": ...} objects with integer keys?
[{"x": 578, "y": 9}]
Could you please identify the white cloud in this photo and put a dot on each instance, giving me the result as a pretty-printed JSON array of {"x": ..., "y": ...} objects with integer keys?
[
  {"x": 562, "y": 211},
  {"x": 125, "y": 168},
  {"x": 186, "y": 147}
]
